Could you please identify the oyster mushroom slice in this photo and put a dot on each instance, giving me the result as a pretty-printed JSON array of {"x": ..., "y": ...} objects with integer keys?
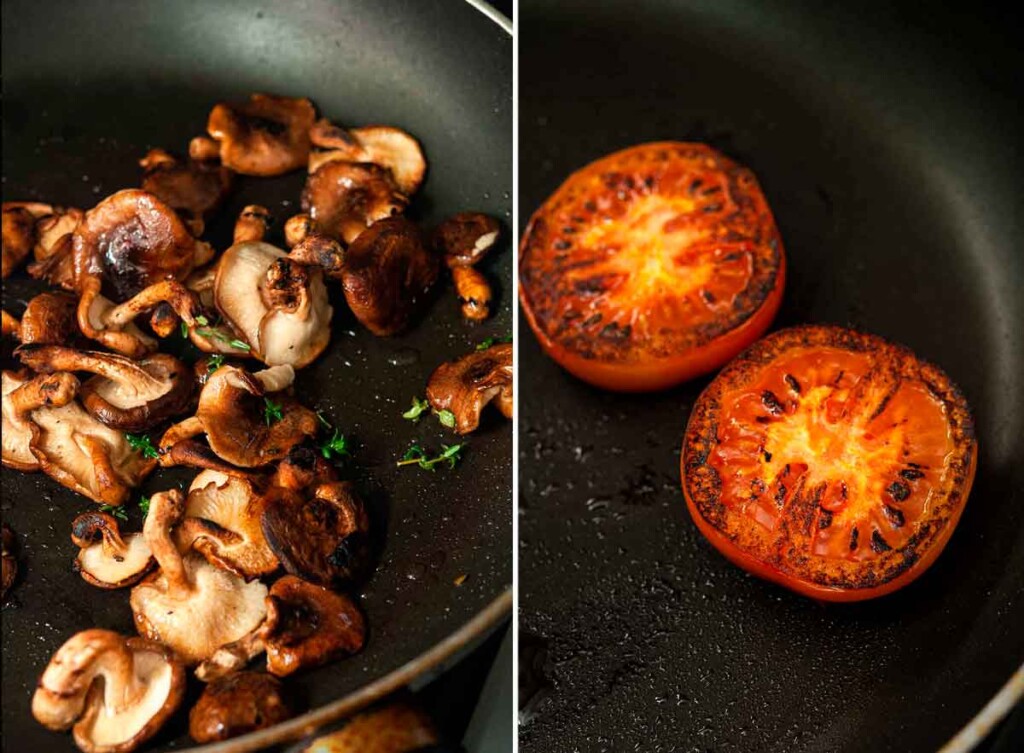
[
  {"x": 467, "y": 385},
  {"x": 319, "y": 534},
  {"x": 107, "y": 559},
  {"x": 236, "y": 704},
  {"x": 194, "y": 189},
  {"x": 280, "y": 307},
  {"x": 267, "y": 135},
  {"x": 308, "y": 626},
  {"x": 222, "y": 521},
  {"x": 188, "y": 604},
  {"x": 115, "y": 692},
  {"x": 22, "y": 396},
  {"x": 389, "y": 147},
  {"x": 49, "y": 318},
  {"x": 9, "y": 561},
  {"x": 343, "y": 198},
  {"x": 129, "y": 395},
  {"x": 131, "y": 240}
]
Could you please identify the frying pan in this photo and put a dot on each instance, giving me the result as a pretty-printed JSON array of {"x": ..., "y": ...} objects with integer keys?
[
  {"x": 88, "y": 88},
  {"x": 887, "y": 139}
]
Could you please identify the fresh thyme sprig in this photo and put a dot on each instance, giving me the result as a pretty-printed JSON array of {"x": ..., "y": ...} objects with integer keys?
[
  {"x": 271, "y": 411},
  {"x": 416, "y": 455},
  {"x": 140, "y": 443}
]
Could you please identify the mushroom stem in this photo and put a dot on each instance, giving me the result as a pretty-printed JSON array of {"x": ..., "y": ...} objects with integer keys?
[
  {"x": 88, "y": 526},
  {"x": 318, "y": 250},
  {"x": 53, "y": 390},
  {"x": 93, "y": 309},
  {"x": 296, "y": 229},
  {"x": 189, "y": 452},
  {"x": 184, "y": 302},
  {"x": 165, "y": 510},
  {"x": 182, "y": 430},
  {"x": 233, "y": 656},
  {"x": 276, "y": 378},
  {"x": 252, "y": 224}
]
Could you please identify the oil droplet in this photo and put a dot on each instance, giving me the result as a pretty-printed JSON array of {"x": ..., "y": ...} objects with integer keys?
[{"x": 404, "y": 357}]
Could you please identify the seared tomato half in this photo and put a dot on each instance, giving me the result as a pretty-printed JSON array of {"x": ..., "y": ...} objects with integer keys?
[
  {"x": 651, "y": 266},
  {"x": 832, "y": 462}
]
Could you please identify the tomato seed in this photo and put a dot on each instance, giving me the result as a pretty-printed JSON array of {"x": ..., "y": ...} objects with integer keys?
[
  {"x": 792, "y": 382},
  {"x": 878, "y": 543},
  {"x": 895, "y": 516},
  {"x": 898, "y": 490},
  {"x": 911, "y": 474},
  {"x": 854, "y": 535},
  {"x": 771, "y": 403}
]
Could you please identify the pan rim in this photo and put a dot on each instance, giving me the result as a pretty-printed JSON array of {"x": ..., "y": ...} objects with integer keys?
[{"x": 975, "y": 731}]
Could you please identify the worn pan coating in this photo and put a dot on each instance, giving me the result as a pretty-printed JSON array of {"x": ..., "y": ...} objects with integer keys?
[
  {"x": 888, "y": 140},
  {"x": 88, "y": 88}
]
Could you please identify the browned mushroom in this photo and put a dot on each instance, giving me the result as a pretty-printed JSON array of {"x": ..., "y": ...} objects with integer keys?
[
  {"x": 267, "y": 135},
  {"x": 130, "y": 241},
  {"x": 388, "y": 271},
  {"x": 222, "y": 521},
  {"x": 465, "y": 239},
  {"x": 467, "y": 385},
  {"x": 252, "y": 224},
  {"x": 343, "y": 198},
  {"x": 125, "y": 394},
  {"x": 318, "y": 250},
  {"x": 388, "y": 147},
  {"x": 22, "y": 396},
  {"x": 278, "y": 306},
  {"x": 247, "y": 419},
  {"x": 11, "y": 326},
  {"x": 53, "y": 252},
  {"x": 395, "y": 728},
  {"x": 49, "y": 318},
  {"x": 9, "y": 569},
  {"x": 296, "y": 229},
  {"x": 236, "y": 704},
  {"x": 19, "y": 236},
  {"x": 188, "y": 604},
  {"x": 194, "y": 189},
  {"x": 308, "y": 625},
  {"x": 106, "y": 558},
  {"x": 474, "y": 293},
  {"x": 319, "y": 534},
  {"x": 114, "y": 692}
]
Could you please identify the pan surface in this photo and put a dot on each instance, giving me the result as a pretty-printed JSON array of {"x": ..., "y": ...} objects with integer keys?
[
  {"x": 88, "y": 88},
  {"x": 888, "y": 144}
]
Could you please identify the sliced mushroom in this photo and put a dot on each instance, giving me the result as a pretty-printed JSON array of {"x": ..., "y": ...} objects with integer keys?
[
  {"x": 474, "y": 293},
  {"x": 343, "y": 198},
  {"x": 320, "y": 534},
  {"x": 222, "y": 521},
  {"x": 188, "y": 604},
  {"x": 129, "y": 395},
  {"x": 22, "y": 396},
  {"x": 320, "y": 251},
  {"x": 53, "y": 252},
  {"x": 130, "y": 241},
  {"x": 115, "y": 692},
  {"x": 465, "y": 239},
  {"x": 267, "y": 135},
  {"x": 308, "y": 625},
  {"x": 194, "y": 189},
  {"x": 49, "y": 318},
  {"x": 395, "y": 728},
  {"x": 105, "y": 558},
  {"x": 279, "y": 307},
  {"x": 304, "y": 467},
  {"x": 11, "y": 326},
  {"x": 391, "y": 148},
  {"x": 9, "y": 570},
  {"x": 236, "y": 704},
  {"x": 387, "y": 273},
  {"x": 113, "y": 325},
  {"x": 252, "y": 224},
  {"x": 467, "y": 385}
]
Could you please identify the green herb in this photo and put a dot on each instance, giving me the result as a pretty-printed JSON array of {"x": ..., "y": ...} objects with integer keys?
[
  {"x": 271, "y": 411},
  {"x": 141, "y": 443},
  {"x": 446, "y": 417},
  {"x": 417, "y": 410},
  {"x": 214, "y": 362},
  {"x": 417, "y": 455},
  {"x": 117, "y": 511},
  {"x": 337, "y": 445},
  {"x": 144, "y": 506},
  {"x": 218, "y": 335},
  {"x": 202, "y": 321},
  {"x": 323, "y": 421},
  {"x": 184, "y": 330},
  {"x": 492, "y": 341}
]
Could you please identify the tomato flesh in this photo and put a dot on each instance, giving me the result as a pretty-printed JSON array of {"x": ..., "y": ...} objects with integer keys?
[{"x": 833, "y": 462}]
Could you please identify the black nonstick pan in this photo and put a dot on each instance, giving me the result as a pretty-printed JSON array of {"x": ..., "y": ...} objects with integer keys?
[
  {"x": 887, "y": 138},
  {"x": 88, "y": 87}
]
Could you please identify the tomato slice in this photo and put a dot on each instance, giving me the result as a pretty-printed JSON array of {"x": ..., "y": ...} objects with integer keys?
[
  {"x": 651, "y": 266},
  {"x": 832, "y": 462}
]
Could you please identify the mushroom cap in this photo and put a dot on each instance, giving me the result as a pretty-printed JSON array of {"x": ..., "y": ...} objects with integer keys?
[
  {"x": 19, "y": 235},
  {"x": 131, "y": 240},
  {"x": 53, "y": 251},
  {"x": 116, "y": 692},
  {"x": 267, "y": 135},
  {"x": 50, "y": 318},
  {"x": 308, "y": 625},
  {"x": 125, "y": 394},
  {"x": 395, "y": 728},
  {"x": 280, "y": 308},
  {"x": 193, "y": 188},
  {"x": 387, "y": 272},
  {"x": 237, "y": 703},
  {"x": 105, "y": 558},
  {"x": 222, "y": 521},
  {"x": 343, "y": 198},
  {"x": 320, "y": 534},
  {"x": 218, "y": 608},
  {"x": 465, "y": 238},
  {"x": 233, "y": 414},
  {"x": 9, "y": 566},
  {"x": 389, "y": 147},
  {"x": 468, "y": 384}
]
